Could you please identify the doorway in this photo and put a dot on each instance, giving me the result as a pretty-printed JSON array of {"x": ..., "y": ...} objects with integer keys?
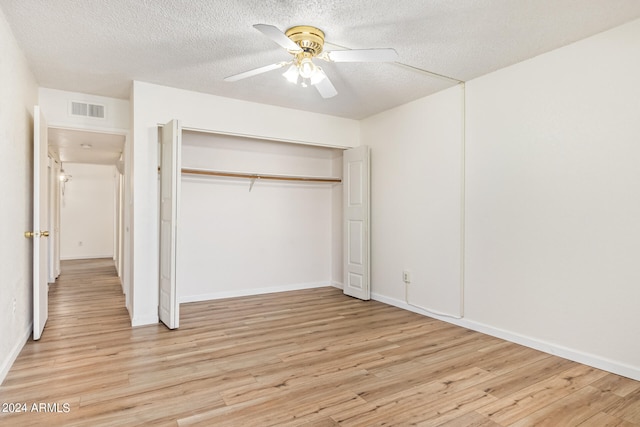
[{"x": 86, "y": 201}]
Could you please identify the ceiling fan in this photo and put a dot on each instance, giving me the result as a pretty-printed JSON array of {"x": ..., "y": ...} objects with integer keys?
[{"x": 305, "y": 43}]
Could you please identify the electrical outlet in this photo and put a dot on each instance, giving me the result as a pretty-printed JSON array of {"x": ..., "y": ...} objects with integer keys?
[{"x": 406, "y": 277}]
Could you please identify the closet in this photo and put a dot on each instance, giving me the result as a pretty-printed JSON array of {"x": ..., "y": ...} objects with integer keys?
[{"x": 243, "y": 215}]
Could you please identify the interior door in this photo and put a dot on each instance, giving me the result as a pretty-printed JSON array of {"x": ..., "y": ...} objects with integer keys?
[
  {"x": 356, "y": 222},
  {"x": 169, "y": 309},
  {"x": 40, "y": 223}
]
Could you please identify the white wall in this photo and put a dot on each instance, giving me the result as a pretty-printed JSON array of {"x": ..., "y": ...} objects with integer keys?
[
  {"x": 416, "y": 183},
  {"x": 276, "y": 237},
  {"x": 19, "y": 95},
  {"x": 553, "y": 231},
  {"x": 154, "y": 105},
  {"x": 552, "y": 237},
  {"x": 87, "y": 212},
  {"x": 56, "y": 108}
]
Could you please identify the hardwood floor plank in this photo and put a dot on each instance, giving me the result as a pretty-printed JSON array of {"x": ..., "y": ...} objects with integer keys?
[
  {"x": 618, "y": 385},
  {"x": 525, "y": 376},
  {"x": 420, "y": 408},
  {"x": 627, "y": 408},
  {"x": 605, "y": 420},
  {"x": 572, "y": 409},
  {"x": 513, "y": 408},
  {"x": 392, "y": 400},
  {"x": 470, "y": 419}
]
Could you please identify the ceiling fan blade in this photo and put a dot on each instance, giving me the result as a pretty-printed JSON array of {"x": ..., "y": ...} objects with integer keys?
[
  {"x": 363, "y": 55},
  {"x": 255, "y": 72},
  {"x": 324, "y": 85},
  {"x": 277, "y": 36}
]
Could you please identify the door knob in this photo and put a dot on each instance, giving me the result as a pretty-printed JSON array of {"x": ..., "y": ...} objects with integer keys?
[{"x": 30, "y": 234}]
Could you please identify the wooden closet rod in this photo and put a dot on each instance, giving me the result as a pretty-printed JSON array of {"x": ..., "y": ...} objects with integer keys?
[{"x": 259, "y": 176}]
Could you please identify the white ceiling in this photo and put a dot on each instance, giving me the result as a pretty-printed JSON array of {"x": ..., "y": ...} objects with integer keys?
[
  {"x": 99, "y": 47},
  {"x": 74, "y": 146}
]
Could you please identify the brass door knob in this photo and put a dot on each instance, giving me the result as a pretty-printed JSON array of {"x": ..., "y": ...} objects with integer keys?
[
  {"x": 28, "y": 234},
  {"x": 44, "y": 234}
]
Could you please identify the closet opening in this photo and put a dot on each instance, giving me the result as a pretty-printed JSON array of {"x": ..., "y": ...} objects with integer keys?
[
  {"x": 254, "y": 216},
  {"x": 261, "y": 232}
]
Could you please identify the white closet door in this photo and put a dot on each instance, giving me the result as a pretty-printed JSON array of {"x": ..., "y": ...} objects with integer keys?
[
  {"x": 356, "y": 226},
  {"x": 169, "y": 310},
  {"x": 40, "y": 224}
]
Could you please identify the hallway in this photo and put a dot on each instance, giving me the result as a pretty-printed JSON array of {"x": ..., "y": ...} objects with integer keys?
[
  {"x": 86, "y": 300},
  {"x": 86, "y": 315}
]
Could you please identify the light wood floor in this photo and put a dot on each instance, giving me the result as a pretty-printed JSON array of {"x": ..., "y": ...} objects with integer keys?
[{"x": 311, "y": 358}]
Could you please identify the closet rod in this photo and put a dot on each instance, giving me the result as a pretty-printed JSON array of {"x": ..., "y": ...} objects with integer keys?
[{"x": 258, "y": 176}]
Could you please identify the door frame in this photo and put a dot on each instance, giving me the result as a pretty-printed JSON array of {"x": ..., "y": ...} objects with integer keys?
[{"x": 122, "y": 216}]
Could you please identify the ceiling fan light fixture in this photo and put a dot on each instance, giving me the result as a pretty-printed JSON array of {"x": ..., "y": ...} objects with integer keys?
[
  {"x": 292, "y": 74},
  {"x": 307, "y": 68},
  {"x": 304, "y": 43}
]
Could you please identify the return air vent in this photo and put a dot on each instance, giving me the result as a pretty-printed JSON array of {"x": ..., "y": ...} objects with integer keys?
[{"x": 87, "y": 110}]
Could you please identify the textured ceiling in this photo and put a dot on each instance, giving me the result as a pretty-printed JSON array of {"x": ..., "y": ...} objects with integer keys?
[
  {"x": 99, "y": 47},
  {"x": 74, "y": 146}
]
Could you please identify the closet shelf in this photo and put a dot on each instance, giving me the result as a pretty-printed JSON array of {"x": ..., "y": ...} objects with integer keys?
[{"x": 254, "y": 176}]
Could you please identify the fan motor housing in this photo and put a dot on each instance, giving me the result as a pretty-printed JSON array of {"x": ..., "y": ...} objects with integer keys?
[{"x": 310, "y": 39}]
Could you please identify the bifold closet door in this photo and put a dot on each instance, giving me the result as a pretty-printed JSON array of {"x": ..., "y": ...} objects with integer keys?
[
  {"x": 170, "y": 166},
  {"x": 356, "y": 222}
]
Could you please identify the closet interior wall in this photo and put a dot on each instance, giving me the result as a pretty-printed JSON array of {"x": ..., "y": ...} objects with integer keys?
[{"x": 235, "y": 238}]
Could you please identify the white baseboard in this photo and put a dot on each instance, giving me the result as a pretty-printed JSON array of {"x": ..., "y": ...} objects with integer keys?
[
  {"x": 144, "y": 320},
  {"x": 72, "y": 257},
  {"x": 251, "y": 291},
  {"x": 605, "y": 364},
  {"x": 338, "y": 285},
  {"x": 15, "y": 351}
]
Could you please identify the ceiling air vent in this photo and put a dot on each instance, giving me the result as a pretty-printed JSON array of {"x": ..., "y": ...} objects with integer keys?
[{"x": 87, "y": 110}]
